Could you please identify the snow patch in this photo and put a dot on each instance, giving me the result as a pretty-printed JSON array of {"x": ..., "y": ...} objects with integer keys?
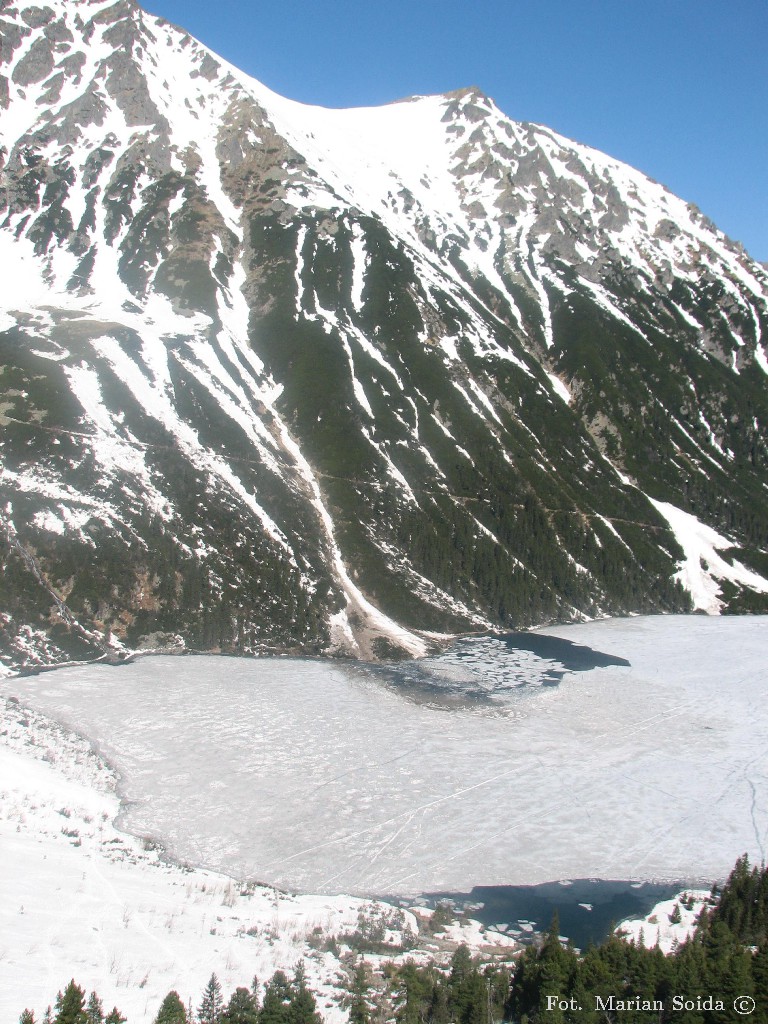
[
  {"x": 559, "y": 388},
  {"x": 659, "y": 929},
  {"x": 703, "y": 564}
]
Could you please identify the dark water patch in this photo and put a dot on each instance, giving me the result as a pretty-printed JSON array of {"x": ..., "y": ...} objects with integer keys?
[
  {"x": 573, "y": 657},
  {"x": 479, "y": 670},
  {"x": 588, "y": 909}
]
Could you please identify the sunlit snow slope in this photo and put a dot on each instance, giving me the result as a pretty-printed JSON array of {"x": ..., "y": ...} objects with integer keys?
[{"x": 281, "y": 377}]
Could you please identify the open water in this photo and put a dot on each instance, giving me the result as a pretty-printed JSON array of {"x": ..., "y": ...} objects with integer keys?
[{"x": 588, "y": 909}]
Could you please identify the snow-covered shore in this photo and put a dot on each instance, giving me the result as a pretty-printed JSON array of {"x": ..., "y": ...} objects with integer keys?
[{"x": 81, "y": 899}]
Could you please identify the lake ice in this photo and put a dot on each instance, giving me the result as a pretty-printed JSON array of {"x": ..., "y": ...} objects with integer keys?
[{"x": 465, "y": 769}]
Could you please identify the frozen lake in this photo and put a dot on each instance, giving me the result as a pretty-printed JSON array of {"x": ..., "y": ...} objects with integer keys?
[{"x": 641, "y": 757}]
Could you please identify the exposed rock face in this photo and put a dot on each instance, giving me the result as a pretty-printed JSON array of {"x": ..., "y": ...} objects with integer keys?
[{"x": 276, "y": 377}]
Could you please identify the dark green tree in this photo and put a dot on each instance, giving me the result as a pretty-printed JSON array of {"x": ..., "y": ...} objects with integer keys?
[
  {"x": 414, "y": 995},
  {"x": 728, "y": 970},
  {"x": 743, "y": 903},
  {"x": 468, "y": 990},
  {"x": 760, "y": 983},
  {"x": 212, "y": 1003},
  {"x": 27, "y": 1017},
  {"x": 690, "y": 977},
  {"x": 241, "y": 1008},
  {"x": 461, "y": 967},
  {"x": 70, "y": 1005},
  {"x": 439, "y": 1011},
  {"x": 278, "y": 997},
  {"x": 94, "y": 1010},
  {"x": 549, "y": 970},
  {"x": 359, "y": 1009},
  {"x": 303, "y": 1008},
  {"x": 473, "y": 1000},
  {"x": 115, "y": 1017},
  {"x": 172, "y": 1010}
]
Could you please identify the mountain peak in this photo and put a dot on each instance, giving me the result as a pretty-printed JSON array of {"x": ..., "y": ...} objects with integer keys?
[
  {"x": 470, "y": 93},
  {"x": 470, "y": 103}
]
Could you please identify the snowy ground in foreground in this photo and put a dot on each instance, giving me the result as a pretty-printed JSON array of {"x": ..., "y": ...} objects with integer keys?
[
  {"x": 78, "y": 898},
  {"x": 314, "y": 776}
]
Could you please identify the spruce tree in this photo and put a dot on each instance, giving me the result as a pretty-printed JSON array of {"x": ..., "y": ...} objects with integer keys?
[
  {"x": 172, "y": 1010},
  {"x": 689, "y": 975},
  {"x": 70, "y": 1005},
  {"x": 359, "y": 1012},
  {"x": 415, "y": 995},
  {"x": 115, "y": 1017},
  {"x": 439, "y": 1012},
  {"x": 760, "y": 982},
  {"x": 94, "y": 1011},
  {"x": 547, "y": 971},
  {"x": 27, "y": 1017},
  {"x": 728, "y": 966},
  {"x": 461, "y": 966},
  {"x": 462, "y": 985},
  {"x": 303, "y": 1009},
  {"x": 211, "y": 1007},
  {"x": 241, "y": 1008},
  {"x": 278, "y": 998},
  {"x": 474, "y": 997}
]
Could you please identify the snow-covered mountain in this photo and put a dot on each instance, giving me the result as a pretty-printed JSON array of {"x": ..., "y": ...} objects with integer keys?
[{"x": 276, "y": 376}]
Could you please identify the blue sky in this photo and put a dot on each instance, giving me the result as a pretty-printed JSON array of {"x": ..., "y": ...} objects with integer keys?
[{"x": 677, "y": 88}]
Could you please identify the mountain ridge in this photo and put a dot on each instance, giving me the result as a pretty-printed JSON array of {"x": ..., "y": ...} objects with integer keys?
[{"x": 336, "y": 380}]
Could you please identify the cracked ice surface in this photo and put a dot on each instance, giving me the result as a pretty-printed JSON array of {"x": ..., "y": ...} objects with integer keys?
[{"x": 315, "y": 776}]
